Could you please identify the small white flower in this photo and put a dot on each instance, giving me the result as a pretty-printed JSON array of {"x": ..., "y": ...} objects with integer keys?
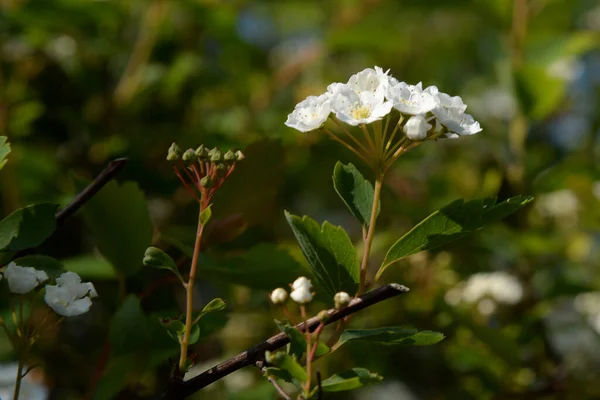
[
  {"x": 416, "y": 127},
  {"x": 341, "y": 299},
  {"x": 362, "y": 99},
  {"x": 302, "y": 295},
  {"x": 70, "y": 297},
  {"x": 310, "y": 113},
  {"x": 23, "y": 280},
  {"x": 409, "y": 99},
  {"x": 450, "y": 111},
  {"x": 302, "y": 283},
  {"x": 278, "y": 296}
]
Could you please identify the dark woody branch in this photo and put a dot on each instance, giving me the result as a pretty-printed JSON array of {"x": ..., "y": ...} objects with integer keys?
[{"x": 254, "y": 355}]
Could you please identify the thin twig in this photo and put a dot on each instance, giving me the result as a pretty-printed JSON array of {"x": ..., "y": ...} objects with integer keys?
[
  {"x": 273, "y": 382},
  {"x": 257, "y": 353}
]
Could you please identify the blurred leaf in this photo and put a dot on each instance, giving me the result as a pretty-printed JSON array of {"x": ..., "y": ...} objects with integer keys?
[
  {"x": 27, "y": 227},
  {"x": 538, "y": 93},
  {"x": 355, "y": 191},
  {"x": 128, "y": 330},
  {"x": 90, "y": 267},
  {"x": 329, "y": 252},
  {"x": 4, "y": 150},
  {"x": 451, "y": 222},
  {"x": 298, "y": 342},
  {"x": 278, "y": 373},
  {"x": 289, "y": 364},
  {"x": 392, "y": 335},
  {"x": 51, "y": 266},
  {"x": 351, "y": 379},
  {"x": 115, "y": 377},
  {"x": 175, "y": 328},
  {"x": 155, "y": 257},
  {"x": 118, "y": 217},
  {"x": 543, "y": 50}
]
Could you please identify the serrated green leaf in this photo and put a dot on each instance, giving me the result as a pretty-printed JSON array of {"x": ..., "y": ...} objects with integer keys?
[
  {"x": 27, "y": 227},
  {"x": 51, "y": 266},
  {"x": 156, "y": 258},
  {"x": 4, "y": 150},
  {"x": 351, "y": 379},
  {"x": 449, "y": 223},
  {"x": 355, "y": 191},
  {"x": 298, "y": 342},
  {"x": 118, "y": 217},
  {"x": 205, "y": 215},
  {"x": 329, "y": 252},
  {"x": 392, "y": 335}
]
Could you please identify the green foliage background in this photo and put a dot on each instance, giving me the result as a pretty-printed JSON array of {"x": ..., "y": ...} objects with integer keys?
[{"x": 83, "y": 82}]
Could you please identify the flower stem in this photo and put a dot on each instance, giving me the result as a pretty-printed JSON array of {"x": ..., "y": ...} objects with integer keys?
[
  {"x": 348, "y": 146},
  {"x": 370, "y": 233},
  {"x": 190, "y": 296},
  {"x": 20, "y": 375}
]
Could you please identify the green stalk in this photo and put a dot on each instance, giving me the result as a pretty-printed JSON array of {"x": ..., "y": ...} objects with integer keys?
[{"x": 370, "y": 234}]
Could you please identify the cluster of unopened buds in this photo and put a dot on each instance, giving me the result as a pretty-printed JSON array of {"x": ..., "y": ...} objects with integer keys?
[
  {"x": 202, "y": 171},
  {"x": 69, "y": 297},
  {"x": 302, "y": 294},
  {"x": 384, "y": 108}
]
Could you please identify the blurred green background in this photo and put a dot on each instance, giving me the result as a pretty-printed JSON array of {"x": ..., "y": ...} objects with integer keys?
[{"x": 86, "y": 81}]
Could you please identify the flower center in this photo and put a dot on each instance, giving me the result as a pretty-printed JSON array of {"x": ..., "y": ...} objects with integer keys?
[{"x": 361, "y": 112}]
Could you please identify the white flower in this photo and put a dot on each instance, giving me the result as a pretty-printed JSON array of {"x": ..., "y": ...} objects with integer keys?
[
  {"x": 310, "y": 113},
  {"x": 278, "y": 296},
  {"x": 302, "y": 295},
  {"x": 23, "y": 280},
  {"x": 341, "y": 299},
  {"x": 500, "y": 286},
  {"x": 450, "y": 111},
  {"x": 70, "y": 297},
  {"x": 362, "y": 99},
  {"x": 416, "y": 127},
  {"x": 302, "y": 283},
  {"x": 409, "y": 99}
]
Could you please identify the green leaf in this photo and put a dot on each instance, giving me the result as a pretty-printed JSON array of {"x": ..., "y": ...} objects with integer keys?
[
  {"x": 50, "y": 265},
  {"x": 155, "y": 257},
  {"x": 356, "y": 192},
  {"x": 351, "y": 379},
  {"x": 451, "y": 222},
  {"x": 4, "y": 150},
  {"x": 298, "y": 342},
  {"x": 206, "y": 215},
  {"x": 395, "y": 335},
  {"x": 278, "y": 373},
  {"x": 118, "y": 217},
  {"x": 90, "y": 267},
  {"x": 329, "y": 252},
  {"x": 175, "y": 328},
  {"x": 27, "y": 227},
  {"x": 539, "y": 93},
  {"x": 292, "y": 366},
  {"x": 217, "y": 304},
  {"x": 115, "y": 378},
  {"x": 128, "y": 330}
]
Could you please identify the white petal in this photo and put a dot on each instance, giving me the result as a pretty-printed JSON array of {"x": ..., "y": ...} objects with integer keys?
[
  {"x": 302, "y": 282},
  {"x": 301, "y": 295},
  {"x": 22, "y": 280},
  {"x": 68, "y": 278},
  {"x": 416, "y": 127},
  {"x": 310, "y": 114},
  {"x": 410, "y": 99},
  {"x": 78, "y": 307}
]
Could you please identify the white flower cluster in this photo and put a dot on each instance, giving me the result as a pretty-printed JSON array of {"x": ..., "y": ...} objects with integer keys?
[
  {"x": 372, "y": 94},
  {"x": 69, "y": 297},
  {"x": 486, "y": 289}
]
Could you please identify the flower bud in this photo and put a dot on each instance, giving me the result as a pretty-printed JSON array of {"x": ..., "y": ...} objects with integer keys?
[
  {"x": 230, "y": 157},
  {"x": 323, "y": 316},
  {"x": 239, "y": 155},
  {"x": 220, "y": 166},
  {"x": 302, "y": 295},
  {"x": 416, "y": 127},
  {"x": 189, "y": 156},
  {"x": 341, "y": 300},
  {"x": 278, "y": 296},
  {"x": 216, "y": 156},
  {"x": 174, "y": 153},
  {"x": 202, "y": 153},
  {"x": 302, "y": 282},
  {"x": 206, "y": 182}
]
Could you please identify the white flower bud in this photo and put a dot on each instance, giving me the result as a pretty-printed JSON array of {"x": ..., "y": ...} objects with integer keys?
[
  {"x": 302, "y": 282},
  {"x": 23, "y": 280},
  {"x": 279, "y": 296},
  {"x": 341, "y": 300},
  {"x": 416, "y": 127},
  {"x": 302, "y": 295},
  {"x": 70, "y": 297}
]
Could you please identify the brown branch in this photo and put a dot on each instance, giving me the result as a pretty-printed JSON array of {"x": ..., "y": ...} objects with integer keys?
[
  {"x": 108, "y": 173},
  {"x": 180, "y": 390}
]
